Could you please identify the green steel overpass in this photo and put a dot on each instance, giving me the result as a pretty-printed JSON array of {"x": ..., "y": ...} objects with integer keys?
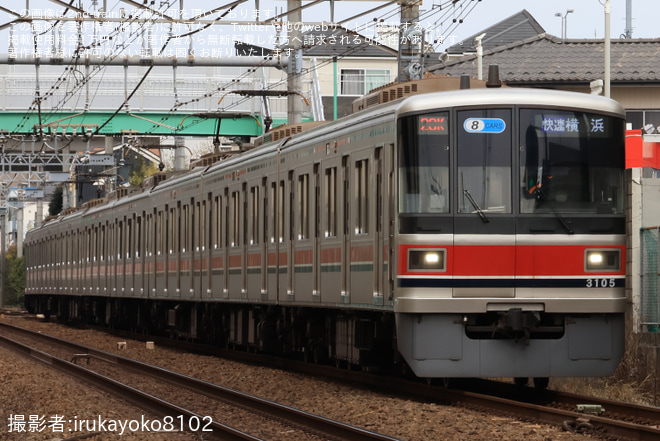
[{"x": 150, "y": 123}]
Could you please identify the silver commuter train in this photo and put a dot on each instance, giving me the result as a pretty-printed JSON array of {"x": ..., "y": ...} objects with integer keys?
[{"x": 479, "y": 232}]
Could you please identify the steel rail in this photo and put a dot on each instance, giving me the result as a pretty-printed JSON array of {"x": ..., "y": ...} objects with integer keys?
[
  {"x": 146, "y": 401},
  {"x": 418, "y": 390},
  {"x": 318, "y": 424}
]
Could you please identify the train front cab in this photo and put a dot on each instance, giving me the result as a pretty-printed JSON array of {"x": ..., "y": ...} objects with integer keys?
[{"x": 511, "y": 245}]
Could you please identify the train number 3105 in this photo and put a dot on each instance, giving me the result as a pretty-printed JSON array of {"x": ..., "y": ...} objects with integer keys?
[{"x": 601, "y": 283}]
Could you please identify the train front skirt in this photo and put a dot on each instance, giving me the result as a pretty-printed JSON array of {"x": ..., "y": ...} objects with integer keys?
[{"x": 436, "y": 345}]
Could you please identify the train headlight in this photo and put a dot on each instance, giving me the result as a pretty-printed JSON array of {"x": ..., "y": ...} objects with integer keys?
[
  {"x": 426, "y": 260},
  {"x": 602, "y": 260}
]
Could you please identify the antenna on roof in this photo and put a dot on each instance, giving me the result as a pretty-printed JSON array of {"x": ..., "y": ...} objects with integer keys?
[{"x": 629, "y": 28}]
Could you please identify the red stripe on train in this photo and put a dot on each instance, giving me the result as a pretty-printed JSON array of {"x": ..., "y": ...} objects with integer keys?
[{"x": 510, "y": 260}]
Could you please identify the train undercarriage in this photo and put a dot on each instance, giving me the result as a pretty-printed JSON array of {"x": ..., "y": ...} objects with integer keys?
[
  {"x": 512, "y": 344},
  {"x": 358, "y": 338}
]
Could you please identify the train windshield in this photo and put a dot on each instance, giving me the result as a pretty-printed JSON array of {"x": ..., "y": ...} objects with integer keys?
[
  {"x": 424, "y": 164},
  {"x": 484, "y": 161},
  {"x": 571, "y": 162}
]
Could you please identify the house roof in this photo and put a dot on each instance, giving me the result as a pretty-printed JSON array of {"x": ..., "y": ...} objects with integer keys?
[
  {"x": 515, "y": 28},
  {"x": 545, "y": 58}
]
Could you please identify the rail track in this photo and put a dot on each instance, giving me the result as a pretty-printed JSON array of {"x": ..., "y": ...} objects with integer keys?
[
  {"x": 87, "y": 364},
  {"x": 601, "y": 417},
  {"x": 606, "y": 419}
]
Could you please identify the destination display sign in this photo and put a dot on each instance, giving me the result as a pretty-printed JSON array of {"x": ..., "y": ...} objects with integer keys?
[
  {"x": 595, "y": 125},
  {"x": 432, "y": 124}
]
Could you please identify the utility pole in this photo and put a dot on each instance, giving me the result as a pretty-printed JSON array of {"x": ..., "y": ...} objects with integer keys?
[
  {"x": 3, "y": 261},
  {"x": 606, "y": 85},
  {"x": 411, "y": 42},
  {"x": 294, "y": 69}
]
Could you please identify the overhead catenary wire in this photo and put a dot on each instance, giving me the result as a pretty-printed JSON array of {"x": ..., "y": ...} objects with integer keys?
[{"x": 446, "y": 11}]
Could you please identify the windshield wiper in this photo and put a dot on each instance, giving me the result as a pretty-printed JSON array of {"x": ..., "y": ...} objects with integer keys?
[
  {"x": 540, "y": 195},
  {"x": 480, "y": 212}
]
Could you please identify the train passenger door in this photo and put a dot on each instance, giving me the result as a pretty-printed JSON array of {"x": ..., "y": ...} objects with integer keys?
[
  {"x": 316, "y": 246},
  {"x": 264, "y": 239},
  {"x": 362, "y": 248},
  {"x": 389, "y": 220},
  {"x": 380, "y": 252},
  {"x": 111, "y": 259},
  {"x": 243, "y": 215},
  {"x": 198, "y": 248},
  {"x": 272, "y": 221},
  {"x": 236, "y": 286},
  {"x": 121, "y": 264},
  {"x": 160, "y": 251},
  {"x": 225, "y": 260},
  {"x": 290, "y": 257},
  {"x": 331, "y": 234},
  {"x": 207, "y": 245},
  {"x": 346, "y": 230},
  {"x": 255, "y": 250}
]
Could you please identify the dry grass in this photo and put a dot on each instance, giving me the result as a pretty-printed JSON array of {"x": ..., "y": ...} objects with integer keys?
[{"x": 636, "y": 380}]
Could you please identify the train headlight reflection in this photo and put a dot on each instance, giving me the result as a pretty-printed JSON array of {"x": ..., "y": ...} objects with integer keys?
[
  {"x": 426, "y": 260},
  {"x": 602, "y": 260}
]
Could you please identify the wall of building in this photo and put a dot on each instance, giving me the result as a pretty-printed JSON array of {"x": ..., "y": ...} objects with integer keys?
[{"x": 650, "y": 202}]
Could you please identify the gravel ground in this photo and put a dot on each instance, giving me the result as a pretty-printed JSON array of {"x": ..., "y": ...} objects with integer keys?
[{"x": 32, "y": 390}]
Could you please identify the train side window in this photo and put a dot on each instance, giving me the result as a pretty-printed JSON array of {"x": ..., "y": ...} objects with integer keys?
[
  {"x": 138, "y": 236},
  {"x": 330, "y": 202},
  {"x": 85, "y": 247},
  {"x": 254, "y": 216},
  {"x": 264, "y": 205},
  {"x": 172, "y": 230},
  {"x": 317, "y": 200},
  {"x": 235, "y": 207},
  {"x": 272, "y": 210},
  {"x": 94, "y": 230},
  {"x": 226, "y": 218},
  {"x": 185, "y": 229},
  {"x": 160, "y": 231},
  {"x": 120, "y": 240},
  {"x": 94, "y": 244},
  {"x": 243, "y": 215},
  {"x": 362, "y": 197},
  {"x": 130, "y": 243},
  {"x": 111, "y": 243},
  {"x": 147, "y": 235},
  {"x": 103, "y": 244},
  {"x": 204, "y": 219},
  {"x": 196, "y": 230},
  {"x": 218, "y": 221},
  {"x": 291, "y": 217},
  {"x": 280, "y": 210},
  {"x": 303, "y": 206}
]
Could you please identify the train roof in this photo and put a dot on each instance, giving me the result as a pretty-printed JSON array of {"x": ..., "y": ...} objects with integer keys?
[{"x": 510, "y": 96}]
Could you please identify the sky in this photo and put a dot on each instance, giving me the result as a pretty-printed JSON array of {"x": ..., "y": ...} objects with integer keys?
[
  {"x": 445, "y": 21},
  {"x": 586, "y": 21}
]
